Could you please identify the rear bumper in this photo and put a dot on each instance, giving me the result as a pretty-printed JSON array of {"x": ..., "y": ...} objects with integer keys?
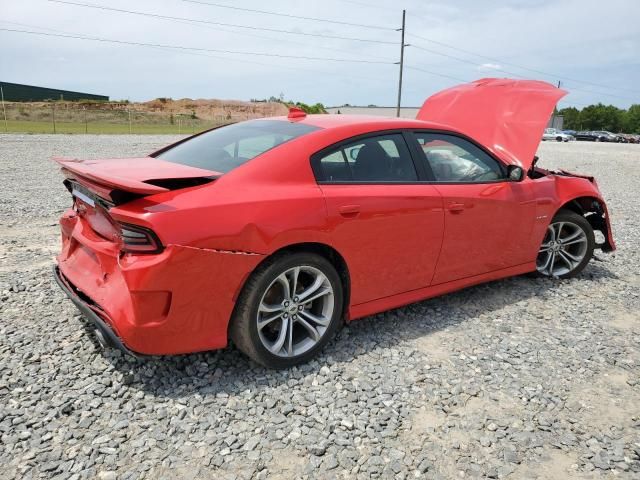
[
  {"x": 177, "y": 301},
  {"x": 108, "y": 335}
]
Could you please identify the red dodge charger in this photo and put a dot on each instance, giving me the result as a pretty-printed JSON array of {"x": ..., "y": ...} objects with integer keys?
[{"x": 274, "y": 232}]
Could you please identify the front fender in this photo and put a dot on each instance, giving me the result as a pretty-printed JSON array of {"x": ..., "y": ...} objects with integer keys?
[{"x": 581, "y": 193}]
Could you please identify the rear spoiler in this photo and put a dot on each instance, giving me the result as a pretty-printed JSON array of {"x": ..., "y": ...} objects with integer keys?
[{"x": 80, "y": 169}]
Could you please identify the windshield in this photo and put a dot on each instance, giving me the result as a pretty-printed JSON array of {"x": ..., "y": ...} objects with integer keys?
[{"x": 226, "y": 148}]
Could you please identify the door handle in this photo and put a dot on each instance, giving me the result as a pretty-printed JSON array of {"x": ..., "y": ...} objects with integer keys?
[
  {"x": 349, "y": 210},
  {"x": 456, "y": 207}
]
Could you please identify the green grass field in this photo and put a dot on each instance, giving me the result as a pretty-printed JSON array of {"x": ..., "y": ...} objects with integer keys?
[{"x": 21, "y": 126}]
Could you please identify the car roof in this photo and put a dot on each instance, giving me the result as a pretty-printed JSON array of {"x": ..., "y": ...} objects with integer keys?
[{"x": 331, "y": 121}]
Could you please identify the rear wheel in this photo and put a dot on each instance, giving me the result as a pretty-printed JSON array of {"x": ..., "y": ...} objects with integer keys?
[
  {"x": 558, "y": 139},
  {"x": 288, "y": 310},
  {"x": 567, "y": 246}
]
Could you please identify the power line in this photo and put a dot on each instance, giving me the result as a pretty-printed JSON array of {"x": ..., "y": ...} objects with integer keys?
[
  {"x": 512, "y": 73},
  {"x": 297, "y": 68},
  {"x": 246, "y": 34},
  {"x": 430, "y": 72},
  {"x": 595, "y": 92},
  {"x": 553, "y": 75},
  {"x": 208, "y": 22},
  {"x": 493, "y": 59},
  {"x": 255, "y": 35},
  {"x": 463, "y": 60},
  {"x": 280, "y": 14},
  {"x": 179, "y": 47}
]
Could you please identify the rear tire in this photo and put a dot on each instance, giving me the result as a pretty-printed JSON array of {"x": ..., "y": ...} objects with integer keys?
[
  {"x": 288, "y": 310},
  {"x": 567, "y": 246}
]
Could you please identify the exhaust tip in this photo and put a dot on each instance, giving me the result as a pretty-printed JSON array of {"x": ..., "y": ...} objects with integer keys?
[{"x": 101, "y": 339}]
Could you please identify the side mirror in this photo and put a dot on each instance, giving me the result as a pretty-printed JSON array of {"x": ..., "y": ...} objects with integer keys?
[{"x": 515, "y": 173}]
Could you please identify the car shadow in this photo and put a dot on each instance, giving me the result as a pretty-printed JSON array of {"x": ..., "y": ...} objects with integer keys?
[{"x": 228, "y": 371}]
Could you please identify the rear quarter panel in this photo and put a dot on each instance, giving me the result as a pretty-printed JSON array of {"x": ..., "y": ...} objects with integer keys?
[{"x": 269, "y": 202}]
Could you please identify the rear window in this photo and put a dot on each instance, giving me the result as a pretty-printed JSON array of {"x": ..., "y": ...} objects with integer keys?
[{"x": 226, "y": 148}]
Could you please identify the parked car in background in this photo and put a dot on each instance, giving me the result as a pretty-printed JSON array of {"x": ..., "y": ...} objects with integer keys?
[
  {"x": 274, "y": 232},
  {"x": 557, "y": 135},
  {"x": 595, "y": 136},
  {"x": 605, "y": 136},
  {"x": 585, "y": 136},
  {"x": 570, "y": 132}
]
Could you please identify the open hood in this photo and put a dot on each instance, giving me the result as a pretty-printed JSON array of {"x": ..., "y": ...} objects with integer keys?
[
  {"x": 506, "y": 116},
  {"x": 110, "y": 178}
]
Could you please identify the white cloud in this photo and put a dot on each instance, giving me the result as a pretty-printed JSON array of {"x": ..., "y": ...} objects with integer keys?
[{"x": 489, "y": 66}]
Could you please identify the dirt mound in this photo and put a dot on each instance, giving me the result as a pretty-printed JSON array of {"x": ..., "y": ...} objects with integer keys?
[{"x": 212, "y": 109}]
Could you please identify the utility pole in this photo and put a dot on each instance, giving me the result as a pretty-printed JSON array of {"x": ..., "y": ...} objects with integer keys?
[
  {"x": 559, "y": 83},
  {"x": 402, "y": 45},
  {"x": 4, "y": 110}
]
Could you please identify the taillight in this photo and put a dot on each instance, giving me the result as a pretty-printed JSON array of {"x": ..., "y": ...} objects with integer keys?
[{"x": 136, "y": 239}]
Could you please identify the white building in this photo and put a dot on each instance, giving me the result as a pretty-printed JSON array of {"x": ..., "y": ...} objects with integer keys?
[{"x": 405, "y": 112}]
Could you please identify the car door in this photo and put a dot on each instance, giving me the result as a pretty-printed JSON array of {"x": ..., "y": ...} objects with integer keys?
[
  {"x": 386, "y": 224},
  {"x": 488, "y": 218}
]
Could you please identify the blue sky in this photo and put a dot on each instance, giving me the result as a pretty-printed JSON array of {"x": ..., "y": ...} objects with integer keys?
[{"x": 592, "y": 46}]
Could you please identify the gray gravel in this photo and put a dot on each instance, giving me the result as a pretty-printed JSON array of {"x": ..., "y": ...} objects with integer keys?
[{"x": 521, "y": 378}]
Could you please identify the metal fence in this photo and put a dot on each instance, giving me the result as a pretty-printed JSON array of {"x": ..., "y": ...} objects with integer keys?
[{"x": 73, "y": 117}]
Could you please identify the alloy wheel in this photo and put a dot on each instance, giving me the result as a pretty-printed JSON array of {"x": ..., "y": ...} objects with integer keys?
[
  {"x": 295, "y": 311},
  {"x": 563, "y": 249}
]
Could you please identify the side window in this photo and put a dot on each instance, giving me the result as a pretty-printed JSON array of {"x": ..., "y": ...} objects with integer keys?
[
  {"x": 454, "y": 159},
  {"x": 335, "y": 167},
  {"x": 384, "y": 158}
]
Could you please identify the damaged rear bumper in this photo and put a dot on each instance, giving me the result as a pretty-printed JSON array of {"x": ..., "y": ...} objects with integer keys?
[
  {"x": 106, "y": 335},
  {"x": 179, "y": 300}
]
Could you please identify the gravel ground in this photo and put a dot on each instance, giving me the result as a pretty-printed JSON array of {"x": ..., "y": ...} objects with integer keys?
[{"x": 521, "y": 378}]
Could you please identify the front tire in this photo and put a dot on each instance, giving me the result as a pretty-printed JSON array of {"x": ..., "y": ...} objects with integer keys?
[
  {"x": 567, "y": 246},
  {"x": 288, "y": 310}
]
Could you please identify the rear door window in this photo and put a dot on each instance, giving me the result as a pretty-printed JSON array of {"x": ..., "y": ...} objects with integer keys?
[{"x": 383, "y": 158}]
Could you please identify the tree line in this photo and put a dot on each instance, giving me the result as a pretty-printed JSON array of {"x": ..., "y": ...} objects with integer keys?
[
  {"x": 316, "y": 108},
  {"x": 602, "y": 117}
]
